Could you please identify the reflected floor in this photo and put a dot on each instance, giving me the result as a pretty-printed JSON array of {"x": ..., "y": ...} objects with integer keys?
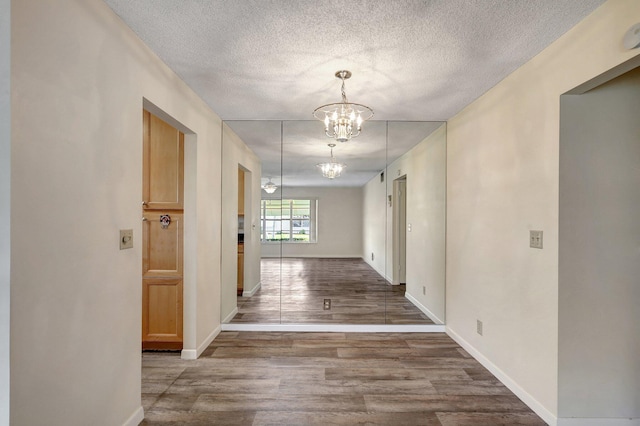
[{"x": 358, "y": 294}]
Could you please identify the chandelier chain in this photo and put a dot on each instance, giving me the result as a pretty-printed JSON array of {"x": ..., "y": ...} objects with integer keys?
[{"x": 344, "y": 93}]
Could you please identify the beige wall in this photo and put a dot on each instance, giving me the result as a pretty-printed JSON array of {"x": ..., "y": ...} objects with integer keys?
[
  {"x": 374, "y": 222},
  {"x": 5, "y": 207},
  {"x": 425, "y": 169},
  {"x": 79, "y": 77},
  {"x": 236, "y": 154},
  {"x": 502, "y": 181},
  {"x": 426, "y": 213},
  {"x": 339, "y": 224},
  {"x": 599, "y": 259}
]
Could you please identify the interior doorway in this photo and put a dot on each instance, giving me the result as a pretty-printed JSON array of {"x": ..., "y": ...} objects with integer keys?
[
  {"x": 241, "y": 219},
  {"x": 399, "y": 209},
  {"x": 599, "y": 260},
  {"x": 162, "y": 234}
]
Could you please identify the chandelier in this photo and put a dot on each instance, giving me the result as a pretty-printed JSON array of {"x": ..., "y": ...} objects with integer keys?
[
  {"x": 269, "y": 187},
  {"x": 332, "y": 169},
  {"x": 343, "y": 120}
]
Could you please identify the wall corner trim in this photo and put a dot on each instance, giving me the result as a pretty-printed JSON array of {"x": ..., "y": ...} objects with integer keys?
[
  {"x": 513, "y": 386},
  {"x": 253, "y": 291},
  {"x": 191, "y": 354},
  {"x": 230, "y": 316},
  {"x": 135, "y": 418},
  {"x": 423, "y": 308}
]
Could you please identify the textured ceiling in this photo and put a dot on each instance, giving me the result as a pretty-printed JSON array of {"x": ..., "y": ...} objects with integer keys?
[{"x": 411, "y": 60}]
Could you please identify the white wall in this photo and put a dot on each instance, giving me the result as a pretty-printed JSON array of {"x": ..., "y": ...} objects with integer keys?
[
  {"x": 425, "y": 169},
  {"x": 599, "y": 259},
  {"x": 375, "y": 223},
  {"x": 339, "y": 223},
  {"x": 502, "y": 181},
  {"x": 79, "y": 76},
  {"x": 236, "y": 154},
  {"x": 5, "y": 207}
]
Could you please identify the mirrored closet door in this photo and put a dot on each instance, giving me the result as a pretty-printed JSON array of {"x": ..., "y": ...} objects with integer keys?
[{"x": 347, "y": 232}]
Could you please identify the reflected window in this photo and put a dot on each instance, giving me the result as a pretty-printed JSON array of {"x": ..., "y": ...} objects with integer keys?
[{"x": 290, "y": 221}]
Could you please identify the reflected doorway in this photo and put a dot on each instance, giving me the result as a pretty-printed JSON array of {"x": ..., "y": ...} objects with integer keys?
[{"x": 399, "y": 208}]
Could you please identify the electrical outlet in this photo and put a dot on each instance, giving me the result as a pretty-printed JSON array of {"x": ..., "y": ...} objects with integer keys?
[
  {"x": 372, "y": 256},
  {"x": 535, "y": 239},
  {"x": 479, "y": 327},
  {"x": 327, "y": 304},
  {"x": 424, "y": 290}
]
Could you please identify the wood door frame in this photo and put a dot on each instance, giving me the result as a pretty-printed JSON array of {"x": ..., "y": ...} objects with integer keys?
[
  {"x": 399, "y": 227},
  {"x": 189, "y": 312},
  {"x": 248, "y": 214}
]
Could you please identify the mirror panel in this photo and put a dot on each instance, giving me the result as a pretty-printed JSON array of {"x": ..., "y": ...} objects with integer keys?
[
  {"x": 415, "y": 222},
  {"x": 347, "y": 239}
]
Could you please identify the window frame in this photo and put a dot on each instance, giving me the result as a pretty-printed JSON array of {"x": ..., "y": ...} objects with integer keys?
[{"x": 313, "y": 220}]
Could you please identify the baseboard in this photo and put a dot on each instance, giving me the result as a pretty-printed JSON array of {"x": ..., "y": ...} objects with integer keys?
[
  {"x": 381, "y": 273},
  {"x": 231, "y": 315},
  {"x": 253, "y": 291},
  {"x": 338, "y": 328},
  {"x": 136, "y": 418},
  {"x": 585, "y": 421},
  {"x": 312, "y": 256},
  {"x": 538, "y": 408},
  {"x": 423, "y": 308},
  {"x": 191, "y": 354}
]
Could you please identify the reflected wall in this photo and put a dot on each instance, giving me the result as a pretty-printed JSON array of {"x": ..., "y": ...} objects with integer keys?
[{"x": 355, "y": 217}]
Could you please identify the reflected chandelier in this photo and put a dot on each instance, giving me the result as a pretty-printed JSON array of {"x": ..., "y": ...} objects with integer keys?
[
  {"x": 332, "y": 169},
  {"x": 269, "y": 187},
  {"x": 343, "y": 120}
]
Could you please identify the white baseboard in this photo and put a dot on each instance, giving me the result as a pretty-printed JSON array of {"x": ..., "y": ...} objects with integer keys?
[
  {"x": 338, "y": 328},
  {"x": 135, "y": 418},
  {"x": 231, "y": 315},
  {"x": 312, "y": 256},
  {"x": 423, "y": 308},
  {"x": 191, "y": 354},
  {"x": 316, "y": 256},
  {"x": 538, "y": 408},
  {"x": 253, "y": 291},
  {"x": 381, "y": 273},
  {"x": 583, "y": 421}
]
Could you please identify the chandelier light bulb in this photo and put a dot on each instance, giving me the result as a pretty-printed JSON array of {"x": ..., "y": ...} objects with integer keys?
[
  {"x": 269, "y": 187},
  {"x": 331, "y": 169}
]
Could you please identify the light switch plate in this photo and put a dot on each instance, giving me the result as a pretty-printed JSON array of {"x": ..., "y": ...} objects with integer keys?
[
  {"x": 535, "y": 239},
  {"x": 126, "y": 239}
]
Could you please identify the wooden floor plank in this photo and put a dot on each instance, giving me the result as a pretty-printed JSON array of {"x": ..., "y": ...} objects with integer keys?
[
  {"x": 279, "y": 402},
  {"x": 251, "y": 378},
  {"x": 279, "y": 418}
]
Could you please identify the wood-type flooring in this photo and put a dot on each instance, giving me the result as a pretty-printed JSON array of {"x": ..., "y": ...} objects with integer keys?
[
  {"x": 285, "y": 378},
  {"x": 293, "y": 290}
]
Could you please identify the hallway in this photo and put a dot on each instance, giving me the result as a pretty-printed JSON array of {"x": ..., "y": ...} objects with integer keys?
[{"x": 249, "y": 378}]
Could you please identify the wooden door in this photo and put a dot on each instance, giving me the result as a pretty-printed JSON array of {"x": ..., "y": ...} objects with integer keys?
[{"x": 162, "y": 234}]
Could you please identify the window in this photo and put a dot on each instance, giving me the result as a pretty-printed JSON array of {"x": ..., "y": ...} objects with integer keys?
[{"x": 292, "y": 221}]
